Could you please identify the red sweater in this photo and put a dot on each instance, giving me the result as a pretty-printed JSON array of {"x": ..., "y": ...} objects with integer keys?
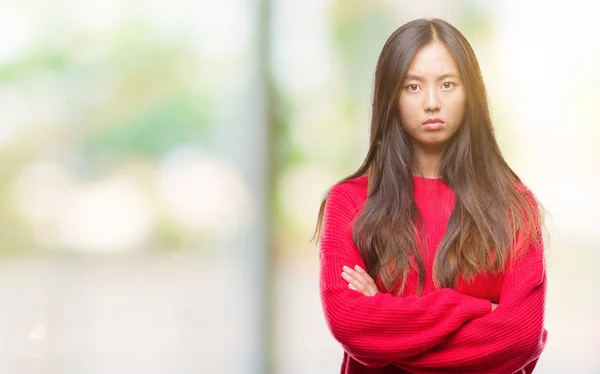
[{"x": 442, "y": 331}]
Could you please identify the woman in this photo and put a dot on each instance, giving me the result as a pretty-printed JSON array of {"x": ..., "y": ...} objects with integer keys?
[{"x": 431, "y": 254}]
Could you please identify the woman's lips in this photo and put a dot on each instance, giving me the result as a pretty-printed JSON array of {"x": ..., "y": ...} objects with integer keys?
[{"x": 433, "y": 125}]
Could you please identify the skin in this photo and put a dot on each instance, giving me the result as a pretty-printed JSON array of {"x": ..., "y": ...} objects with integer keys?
[{"x": 432, "y": 89}]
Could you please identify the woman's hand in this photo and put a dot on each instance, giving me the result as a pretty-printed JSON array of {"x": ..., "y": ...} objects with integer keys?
[{"x": 359, "y": 280}]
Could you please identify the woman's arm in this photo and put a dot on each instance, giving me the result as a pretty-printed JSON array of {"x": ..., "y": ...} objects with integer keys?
[
  {"x": 503, "y": 341},
  {"x": 380, "y": 329}
]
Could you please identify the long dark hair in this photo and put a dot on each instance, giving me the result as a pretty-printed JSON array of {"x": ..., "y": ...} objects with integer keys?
[{"x": 494, "y": 215}]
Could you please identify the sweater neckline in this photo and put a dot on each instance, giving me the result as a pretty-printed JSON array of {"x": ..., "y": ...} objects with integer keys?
[
  {"x": 427, "y": 184},
  {"x": 427, "y": 178},
  {"x": 415, "y": 178}
]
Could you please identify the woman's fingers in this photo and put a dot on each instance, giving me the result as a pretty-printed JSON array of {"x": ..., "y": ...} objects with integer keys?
[
  {"x": 353, "y": 279},
  {"x": 366, "y": 278},
  {"x": 360, "y": 281}
]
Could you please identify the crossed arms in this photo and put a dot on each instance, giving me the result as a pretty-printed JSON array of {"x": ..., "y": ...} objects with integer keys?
[{"x": 439, "y": 332}]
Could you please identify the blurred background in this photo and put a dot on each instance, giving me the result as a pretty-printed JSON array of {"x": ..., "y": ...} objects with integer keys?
[{"x": 162, "y": 165}]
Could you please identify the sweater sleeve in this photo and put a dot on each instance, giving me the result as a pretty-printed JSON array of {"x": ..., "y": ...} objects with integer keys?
[
  {"x": 375, "y": 330},
  {"x": 509, "y": 339}
]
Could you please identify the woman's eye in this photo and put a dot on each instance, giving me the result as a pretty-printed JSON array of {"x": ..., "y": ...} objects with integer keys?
[
  {"x": 447, "y": 85},
  {"x": 412, "y": 87}
]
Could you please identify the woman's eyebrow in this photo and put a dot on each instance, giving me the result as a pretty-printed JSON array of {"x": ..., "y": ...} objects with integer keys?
[{"x": 416, "y": 77}]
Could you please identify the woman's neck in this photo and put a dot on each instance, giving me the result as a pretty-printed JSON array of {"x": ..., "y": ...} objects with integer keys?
[{"x": 428, "y": 161}]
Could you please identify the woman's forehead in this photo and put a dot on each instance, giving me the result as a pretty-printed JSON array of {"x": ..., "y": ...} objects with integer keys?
[{"x": 432, "y": 61}]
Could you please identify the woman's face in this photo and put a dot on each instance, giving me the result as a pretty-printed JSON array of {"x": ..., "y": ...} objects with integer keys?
[{"x": 432, "y": 100}]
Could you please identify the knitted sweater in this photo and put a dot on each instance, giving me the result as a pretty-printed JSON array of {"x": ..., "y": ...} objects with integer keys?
[{"x": 448, "y": 330}]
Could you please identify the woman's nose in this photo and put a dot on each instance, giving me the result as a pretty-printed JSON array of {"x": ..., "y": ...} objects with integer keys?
[{"x": 432, "y": 101}]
